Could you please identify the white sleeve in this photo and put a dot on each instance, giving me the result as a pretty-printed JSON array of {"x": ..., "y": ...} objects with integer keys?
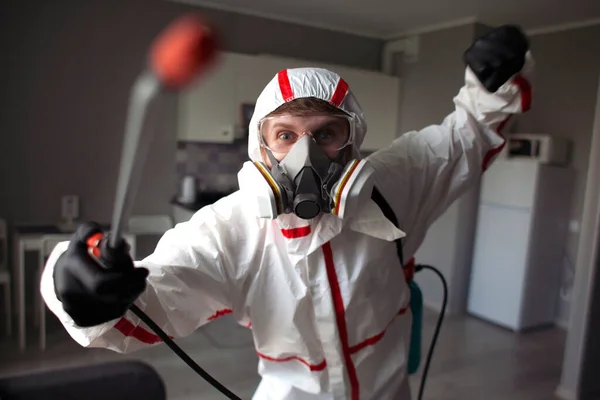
[
  {"x": 188, "y": 286},
  {"x": 423, "y": 172}
]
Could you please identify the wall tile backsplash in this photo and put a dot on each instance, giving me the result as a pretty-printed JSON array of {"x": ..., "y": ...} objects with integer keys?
[{"x": 214, "y": 165}]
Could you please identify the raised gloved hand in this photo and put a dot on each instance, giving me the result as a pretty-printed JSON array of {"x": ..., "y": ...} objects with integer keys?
[
  {"x": 498, "y": 55},
  {"x": 90, "y": 293}
]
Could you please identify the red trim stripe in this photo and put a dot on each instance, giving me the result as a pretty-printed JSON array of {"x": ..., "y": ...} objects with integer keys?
[
  {"x": 526, "y": 96},
  {"x": 128, "y": 329},
  {"x": 489, "y": 156},
  {"x": 295, "y": 233},
  {"x": 409, "y": 270},
  {"x": 340, "y": 317},
  {"x": 502, "y": 125},
  {"x": 374, "y": 339},
  {"x": 313, "y": 367},
  {"x": 284, "y": 85},
  {"x": 340, "y": 93},
  {"x": 368, "y": 342},
  {"x": 340, "y": 190},
  {"x": 525, "y": 89},
  {"x": 220, "y": 313}
]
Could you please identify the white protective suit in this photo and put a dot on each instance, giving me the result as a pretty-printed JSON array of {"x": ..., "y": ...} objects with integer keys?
[{"x": 326, "y": 299}]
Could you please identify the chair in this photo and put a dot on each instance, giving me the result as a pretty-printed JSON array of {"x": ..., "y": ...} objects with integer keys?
[
  {"x": 122, "y": 380},
  {"x": 148, "y": 229},
  {"x": 149, "y": 224},
  {"x": 49, "y": 242},
  {"x": 5, "y": 275}
]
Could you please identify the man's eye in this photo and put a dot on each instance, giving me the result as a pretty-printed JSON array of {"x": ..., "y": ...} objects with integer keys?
[
  {"x": 323, "y": 136},
  {"x": 285, "y": 136}
]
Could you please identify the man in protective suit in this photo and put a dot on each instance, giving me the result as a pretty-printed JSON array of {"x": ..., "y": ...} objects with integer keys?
[{"x": 302, "y": 254}]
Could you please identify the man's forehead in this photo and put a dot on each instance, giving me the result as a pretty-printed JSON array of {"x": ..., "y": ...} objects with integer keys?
[{"x": 303, "y": 120}]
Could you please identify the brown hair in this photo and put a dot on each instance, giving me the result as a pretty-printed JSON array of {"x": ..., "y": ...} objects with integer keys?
[{"x": 306, "y": 105}]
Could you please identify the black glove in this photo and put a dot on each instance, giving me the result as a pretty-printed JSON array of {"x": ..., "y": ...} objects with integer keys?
[
  {"x": 498, "y": 55},
  {"x": 90, "y": 293}
]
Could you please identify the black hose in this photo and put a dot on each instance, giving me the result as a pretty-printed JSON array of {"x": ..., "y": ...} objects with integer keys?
[
  {"x": 165, "y": 338},
  {"x": 436, "y": 332},
  {"x": 230, "y": 395}
]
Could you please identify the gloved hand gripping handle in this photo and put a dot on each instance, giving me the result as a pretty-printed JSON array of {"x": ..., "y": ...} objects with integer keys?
[{"x": 497, "y": 55}]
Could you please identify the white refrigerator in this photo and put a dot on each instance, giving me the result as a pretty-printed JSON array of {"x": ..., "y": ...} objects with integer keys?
[{"x": 522, "y": 226}]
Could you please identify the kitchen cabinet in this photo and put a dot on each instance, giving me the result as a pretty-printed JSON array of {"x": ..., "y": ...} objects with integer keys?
[
  {"x": 253, "y": 73},
  {"x": 210, "y": 110},
  {"x": 378, "y": 96},
  {"x": 207, "y": 110},
  {"x": 377, "y": 93},
  {"x": 183, "y": 212}
]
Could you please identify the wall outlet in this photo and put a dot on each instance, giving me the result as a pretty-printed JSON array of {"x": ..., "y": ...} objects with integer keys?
[
  {"x": 411, "y": 49},
  {"x": 70, "y": 207},
  {"x": 574, "y": 226}
]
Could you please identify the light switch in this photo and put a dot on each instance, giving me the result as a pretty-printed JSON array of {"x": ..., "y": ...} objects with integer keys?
[
  {"x": 574, "y": 226},
  {"x": 70, "y": 207}
]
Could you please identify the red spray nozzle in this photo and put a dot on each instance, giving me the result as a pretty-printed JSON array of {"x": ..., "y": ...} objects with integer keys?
[{"x": 185, "y": 49}]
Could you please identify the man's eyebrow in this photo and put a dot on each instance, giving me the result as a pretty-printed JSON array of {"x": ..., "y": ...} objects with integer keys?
[
  {"x": 337, "y": 121},
  {"x": 282, "y": 124},
  {"x": 331, "y": 123},
  {"x": 293, "y": 127}
]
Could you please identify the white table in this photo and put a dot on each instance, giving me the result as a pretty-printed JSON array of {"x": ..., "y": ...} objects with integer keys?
[{"x": 30, "y": 238}]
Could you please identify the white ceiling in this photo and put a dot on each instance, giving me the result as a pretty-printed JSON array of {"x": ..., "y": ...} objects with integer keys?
[{"x": 388, "y": 19}]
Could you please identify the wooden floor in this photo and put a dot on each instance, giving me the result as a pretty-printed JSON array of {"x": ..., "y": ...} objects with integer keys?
[{"x": 473, "y": 360}]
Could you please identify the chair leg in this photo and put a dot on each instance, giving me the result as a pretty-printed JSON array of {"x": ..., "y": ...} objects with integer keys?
[
  {"x": 42, "y": 314},
  {"x": 8, "y": 309},
  {"x": 36, "y": 311},
  {"x": 36, "y": 314},
  {"x": 42, "y": 326}
]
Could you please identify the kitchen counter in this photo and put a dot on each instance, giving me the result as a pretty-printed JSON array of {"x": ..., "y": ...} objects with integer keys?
[
  {"x": 202, "y": 200},
  {"x": 26, "y": 229}
]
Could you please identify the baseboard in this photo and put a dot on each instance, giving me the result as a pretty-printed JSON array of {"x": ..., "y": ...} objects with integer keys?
[
  {"x": 564, "y": 393},
  {"x": 433, "y": 306},
  {"x": 437, "y": 307},
  {"x": 563, "y": 312}
]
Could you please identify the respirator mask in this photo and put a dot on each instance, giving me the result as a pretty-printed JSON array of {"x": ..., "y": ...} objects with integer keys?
[{"x": 314, "y": 176}]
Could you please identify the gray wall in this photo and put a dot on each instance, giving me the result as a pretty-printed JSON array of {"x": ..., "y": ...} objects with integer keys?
[
  {"x": 582, "y": 355},
  {"x": 67, "y": 67},
  {"x": 567, "y": 65},
  {"x": 430, "y": 83},
  {"x": 564, "y": 97},
  {"x": 428, "y": 87}
]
